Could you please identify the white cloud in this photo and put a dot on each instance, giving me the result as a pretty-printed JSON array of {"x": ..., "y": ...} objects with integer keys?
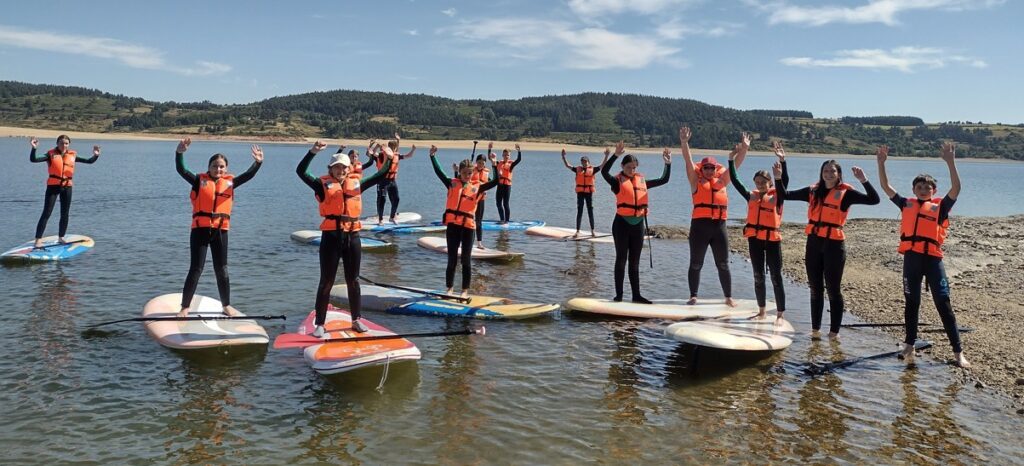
[
  {"x": 676, "y": 29},
  {"x": 134, "y": 56},
  {"x": 449, "y": 12},
  {"x": 874, "y": 11},
  {"x": 589, "y": 48},
  {"x": 593, "y": 8},
  {"x": 905, "y": 59},
  {"x": 413, "y": 32}
]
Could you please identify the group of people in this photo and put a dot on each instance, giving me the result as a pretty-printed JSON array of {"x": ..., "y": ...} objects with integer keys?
[{"x": 338, "y": 195}]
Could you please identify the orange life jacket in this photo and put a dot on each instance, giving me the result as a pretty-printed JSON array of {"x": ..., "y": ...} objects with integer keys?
[
  {"x": 631, "y": 200},
  {"x": 481, "y": 176},
  {"x": 710, "y": 200},
  {"x": 824, "y": 219},
  {"x": 763, "y": 216},
  {"x": 460, "y": 208},
  {"x": 505, "y": 172},
  {"x": 61, "y": 167},
  {"x": 920, "y": 230},
  {"x": 393, "y": 171},
  {"x": 342, "y": 203},
  {"x": 211, "y": 203},
  {"x": 356, "y": 168},
  {"x": 585, "y": 179}
]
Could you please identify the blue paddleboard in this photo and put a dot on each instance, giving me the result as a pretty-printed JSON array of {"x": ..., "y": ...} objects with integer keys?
[
  {"x": 493, "y": 225},
  {"x": 52, "y": 249},
  {"x": 313, "y": 237}
]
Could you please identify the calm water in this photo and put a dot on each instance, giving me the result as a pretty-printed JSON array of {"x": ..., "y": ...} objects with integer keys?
[{"x": 560, "y": 390}]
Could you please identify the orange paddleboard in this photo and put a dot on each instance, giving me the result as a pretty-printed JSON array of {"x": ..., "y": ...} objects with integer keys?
[{"x": 344, "y": 356}]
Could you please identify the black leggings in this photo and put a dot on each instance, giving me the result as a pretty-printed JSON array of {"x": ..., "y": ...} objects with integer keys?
[
  {"x": 825, "y": 261},
  {"x": 334, "y": 246},
  {"x": 199, "y": 241},
  {"x": 390, "y": 189},
  {"x": 915, "y": 267},
  {"x": 629, "y": 244},
  {"x": 705, "y": 232},
  {"x": 52, "y": 192},
  {"x": 580, "y": 199},
  {"x": 771, "y": 252},
  {"x": 504, "y": 192},
  {"x": 458, "y": 237},
  {"x": 480, "y": 220}
]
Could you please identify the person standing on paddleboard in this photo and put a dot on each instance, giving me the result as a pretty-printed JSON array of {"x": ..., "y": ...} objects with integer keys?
[
  {"x": 629, "y": 226},
  {"x": 481, "y": 174},
  {"x": 828, "y": 205},
  {"x": 924, "y": 221},
  {"x": 585, "y": 188},
  {"x": 212, "y": 194},
  {"x": 709, "y": 182},
  {"x": 61, "y": 166},
  {"x": 764, "y": 217},
  {"x": 388, "y": 187},
  {"x": 339, "y": 195},
  {"x": 464, "y": 193},
  {"x": 504, "y": 192}
]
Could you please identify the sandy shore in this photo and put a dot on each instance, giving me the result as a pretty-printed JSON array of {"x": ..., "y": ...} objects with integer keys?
[
  {"x": 984, "y": 262},
  {"x": 360, "y": 144}
]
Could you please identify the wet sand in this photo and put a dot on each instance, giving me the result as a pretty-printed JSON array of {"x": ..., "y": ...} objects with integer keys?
[{"x": 984, "y": 259}]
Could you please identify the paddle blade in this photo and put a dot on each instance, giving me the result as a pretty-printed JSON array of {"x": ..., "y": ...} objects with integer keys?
[{"x": 295, "y": 340}]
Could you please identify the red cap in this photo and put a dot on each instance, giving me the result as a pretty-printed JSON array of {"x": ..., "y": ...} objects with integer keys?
[{"x": 708, "y": 161}]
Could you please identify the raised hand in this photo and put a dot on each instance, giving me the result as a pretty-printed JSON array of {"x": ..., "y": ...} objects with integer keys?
[
  {"x": 563, "y": 153},
  {"x": 492, "y": 156},
  {"x": 684, "y": 135},
  {"x": 607, "y": 151},
  {"x": 734, "y": 152},
  {"x": 318, "y": 146},
  {"x": 34, "y": 142},
  {"x": 183, "y": 145},
  {"x": 620, "y": 148},
  {"x": 257, "y": 153},
  {"x": 666, "y": 155},
  {"x": 882, "y": 154},
  {"x": 780, "y": 152},
  {"x": 397, "y": 137},
  {"x": 777, "y": 170},
  {"x": 745, "y": 140},
  {"x": 517, "y": 147},
  {"x": 859, "y": 174},
  {"x": 433, "y": 150},
  {"x": 96, "y": 151},
  {"x": 948, "y": 151},
  {"x": 490, "y": 145}
]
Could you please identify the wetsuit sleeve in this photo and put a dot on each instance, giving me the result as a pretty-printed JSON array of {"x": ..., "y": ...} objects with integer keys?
[
  {"x": 785, "y": 175},
  {"x": 736, "y": 183},
  {"x": 945, "y": 207},
  {"x": 488, "y": 185},
  {"x": 663, "y": 179},
  {"x": 614, "y": 183},
  {"x": 88, "y": 160},
  {"x": 249, "y": 173},
  {"x": 856, "y": 197},
  {"x": 802, "y": 194},
  {"x": 900, "y": 201},
  {"x": 313, "y": 182},
  {"x": 519, "y": 158},
  {"x": 440, "y": 173},
  {"x": 780, "y": 194},
  {"x": 179, "y": 164},
  {"x": 368, "y": 164},
  {"x": 367, "y": 182},
  {"x": 32, "y": 157}
]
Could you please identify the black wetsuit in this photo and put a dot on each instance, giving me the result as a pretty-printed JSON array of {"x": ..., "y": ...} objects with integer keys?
[
  {"x": 504, "y": 193},
  {"x": 387, "y": 190},
  {"x": 584, "y": 198},
  {"x": 917, "y": 266},
  {"x": 337, "y": 245},
  {"x": 458, "y": 237},
  {"x": 51, "y": 195},
  {"x": 765, "y": 254},
  {"x": 706, "y": 232},
  {"x": 825, "y": 259},
  {"x": 628, "y": 233},
  {"x": 203, "y": 238}
]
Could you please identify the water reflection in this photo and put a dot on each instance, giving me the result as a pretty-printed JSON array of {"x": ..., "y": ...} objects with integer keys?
[
  {"x": 823, "y": 415},
  {"x": 51, "y": 324},
  {"x": 924, "y": 431},
  {"x": 451, "y": 409}
]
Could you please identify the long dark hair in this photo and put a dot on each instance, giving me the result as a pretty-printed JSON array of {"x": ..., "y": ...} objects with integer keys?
[
  {"x": 820, "y": 190},
  {"x": 215, "y": 157}
]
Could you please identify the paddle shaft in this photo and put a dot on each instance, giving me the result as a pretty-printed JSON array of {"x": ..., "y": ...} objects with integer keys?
[
  {"x": 405, "y": 335},
  {"x": 819, "y": 370},
  {"x": 414, "y": 290},
  {"x": 650, "y": 249},
  {"x": 187, "y": 318},
  {"x": 48, "y": 246}
]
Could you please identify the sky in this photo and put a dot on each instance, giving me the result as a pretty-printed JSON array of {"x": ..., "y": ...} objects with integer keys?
[{"x": 941, "y": 60}]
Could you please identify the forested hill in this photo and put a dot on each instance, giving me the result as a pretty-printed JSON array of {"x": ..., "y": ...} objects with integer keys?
[{"x": 589, "y": 118}]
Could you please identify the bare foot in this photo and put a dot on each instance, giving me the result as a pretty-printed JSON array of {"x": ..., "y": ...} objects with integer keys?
[
  {"x": 779, "y": 319},
  {"x": 392, "y": 220},
  {"x": 450, "y": 291},
  {"x": 815, "y": 334},
  {"x": 576, "y": 235},
  {"x": 38, "y": 244},
  {"x": 480, "y": 246},
  {"x": 592, "y": 234},
  {"x": 907, "y": 354},
  {"x": 231, "y": 311},
  {"x": 833, "y": 335},
  {"x": 761, "y": 314},
  {"x": 962, "y": 361},
  {"x": 692, "y": 301},
  {"x": 465, "y": 293},
  {"x": 380, "y": 221},
  {"x": 183, "y": 312},
  {"x": 729, "y": 302},
  {"x": 63, "y": 241}
]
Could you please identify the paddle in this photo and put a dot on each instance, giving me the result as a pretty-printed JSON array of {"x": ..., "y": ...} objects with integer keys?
[
  {"x": 584, "y": 238},
  {"x": 650, "y": 248},
  {"x": 879, "y": 325},
  {"x": 176, "y": 318},
  {"x": 48, "y": 246},
  {"x": 414, "y": 290},
  {"x": 298, "y": 340},
  {"x": 820, "y": 369}
]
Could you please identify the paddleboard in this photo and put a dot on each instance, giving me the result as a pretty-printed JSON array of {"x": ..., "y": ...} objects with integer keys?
[
  {"x": 378, "y": 298},
  {"x": 565, "y": 234},
  {"x": 313, "y": 237},
  {"x": 370, "y": 223},
  {"x": 438, "y": 244},
  {"x": 51, "y": 250},
  {"x": 494, "y": 225},
  {"x": 409, "y": 229},
  {"x": 199, "y": 334},
  {"x": 669, "y": 309},
  {"x": 338, "y": 357},
  {"x": 734, "y": 334}
]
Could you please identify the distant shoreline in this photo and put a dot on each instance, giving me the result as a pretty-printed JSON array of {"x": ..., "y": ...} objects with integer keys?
[{"x": 360, "y": 144}]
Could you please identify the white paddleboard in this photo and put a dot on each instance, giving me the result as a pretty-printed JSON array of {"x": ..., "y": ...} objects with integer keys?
[
  {"x": 370, "y": 223},
  {"x": 567, "y": 233},
  {"x": 735, "y": 334},
  {"x": 199, "y": 334},
  {"x": 438, "y": 244},
  {"x": 669, "y": 309}
]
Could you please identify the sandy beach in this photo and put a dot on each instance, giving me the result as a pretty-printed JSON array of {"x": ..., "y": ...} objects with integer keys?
[{"x": 986, "y": 280}]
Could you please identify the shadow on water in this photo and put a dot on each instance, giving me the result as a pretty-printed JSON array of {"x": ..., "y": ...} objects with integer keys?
[{"x": 690, "y": 365}]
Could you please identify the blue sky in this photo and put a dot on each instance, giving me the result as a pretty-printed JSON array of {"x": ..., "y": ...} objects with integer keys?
[{"x": 937, "y": 59}]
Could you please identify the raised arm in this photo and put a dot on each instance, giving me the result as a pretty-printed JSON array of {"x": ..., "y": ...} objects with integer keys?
[
  {"x": 949, "y": 154},
  {"x": 566, "y": 163},
  {"x": 736, "y": 183},
  {"x": 742, "y": 148},
  {"x": 883, "y": 178},
  {"x": 257, "y": 162},
  {"x": 179, "y": 162},
  {"x": 780, "y": 153},
  {"x": 780, "y": 186},
  {"x": 606, "y": 169},
  {"x": 303, "y": 169},
  {"x": 869, "y": 197},
  {"x": 32, "y": 154},
  {"x": 605, "y": 159},
  {"x": 411, "y": 151},
  {"x": 519, "y": 158},
  {"x": 437, "y": 168},
  {"x": 684, "y": 143},
  {"x": 93, "y": 159},
  {"x": 666, "y": 172},
  {"x": 369, "y": 181}
]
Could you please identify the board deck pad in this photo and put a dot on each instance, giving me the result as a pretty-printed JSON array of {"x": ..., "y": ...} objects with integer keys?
[
  {"x": 377, "y": 298},
  {"x": 337, "y": 357},
  {"x": 52, "y": 249},
  {"x": 669, "y": 309},
  {"x": 199, "y": 334},
  {"x": 434, "y": 243}
]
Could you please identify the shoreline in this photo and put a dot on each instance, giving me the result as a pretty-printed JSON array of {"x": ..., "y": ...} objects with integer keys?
[
  {"x": 360, "y": 144},
  {"x": 986, "y": 287}
]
